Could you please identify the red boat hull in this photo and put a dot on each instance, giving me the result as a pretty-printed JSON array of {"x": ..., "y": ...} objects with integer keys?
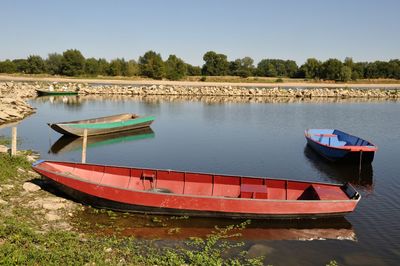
[{"x": 132, "y": 190}]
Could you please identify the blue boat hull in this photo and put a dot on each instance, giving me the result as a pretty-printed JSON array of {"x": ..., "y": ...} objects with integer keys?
[{"x": 341, "y": 155}]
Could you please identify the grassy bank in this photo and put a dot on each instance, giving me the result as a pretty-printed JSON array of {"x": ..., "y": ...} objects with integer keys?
[{"x": 195, "y": 79}]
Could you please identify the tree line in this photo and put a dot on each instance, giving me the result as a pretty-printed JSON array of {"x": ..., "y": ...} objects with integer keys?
[{"x": 73, "y": 63}]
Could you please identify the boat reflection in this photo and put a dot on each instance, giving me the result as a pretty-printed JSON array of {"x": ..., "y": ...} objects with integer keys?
[
  {"x": 71, "y": 101},
  {"x": 69, "y": 143},
  {"x": 183, "y": 228},
  {"x": 341, "y": 172}
]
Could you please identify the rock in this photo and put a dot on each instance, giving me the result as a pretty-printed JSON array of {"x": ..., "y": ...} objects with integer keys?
[
  {"x": 8, "y": 186},
  {"x": 3, "y": 149},
  {"x": 31, "y": 158},
  {"x": 33, "y": 174},
  {"x": 30, "y": 187},
  {"x": 258, "y": 250},
  {"x": 3, "y": 202},
  {"x": 20, "y": 170},
  {"x": 52, "y": 217},
  {"x": 53, "y": 206}
]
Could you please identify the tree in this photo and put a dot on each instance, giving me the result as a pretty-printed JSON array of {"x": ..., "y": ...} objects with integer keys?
[
  {"x": 36, "y": 65},
  {"x": 345, "y": 73},
  {"x": 117, "y": 67},
  {"x": 241, "y": 67},
  {"x": 332, "y": 69},
  {"x": 266, "y": 68},
  {"x": 22, "y": 65},
  {"x": 215, "y": 64},
  {"x": 7, "y": 66},
  {"x": 132, "y": 68},
  {"x": 54, "y": 64},
  {"x": 175, "y": 68},
  {"x": 193, "y": 70},
  {"x": 291, "y": 68},
  {"x": 103, "y": 66},
  {"x": 92, "y": 67},
  {"x": 358, "y": 70},
  {"x": 73, "y": 63},
  {"x": 394, "y": 67},
  {"x": 311, "y": 68},
  {"x": 151, "y": 65}
]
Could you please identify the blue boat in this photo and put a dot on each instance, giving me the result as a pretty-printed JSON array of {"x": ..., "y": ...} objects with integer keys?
[{"x": 338, "y": 146}]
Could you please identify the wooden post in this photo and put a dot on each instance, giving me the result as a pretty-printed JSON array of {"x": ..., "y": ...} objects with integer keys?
[
  {"x": 14, "y": 141},
  {"x": 84, "y": 144}
]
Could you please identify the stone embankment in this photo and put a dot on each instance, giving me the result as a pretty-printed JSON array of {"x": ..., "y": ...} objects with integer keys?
[
  {"x": 239, "y": 91},
  {"x": 13, "y": 106}
]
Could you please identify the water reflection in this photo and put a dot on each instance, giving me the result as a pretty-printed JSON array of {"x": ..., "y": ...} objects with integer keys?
[
  {"x": 71, "y": 101},
  {"x": 341, "y": 172},
  {"x": 180, "y": 228},
  {"x": 68, "y": 143},
  {"x": 158, "y": 99}
]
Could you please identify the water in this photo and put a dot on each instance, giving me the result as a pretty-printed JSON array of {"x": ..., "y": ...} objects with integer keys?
[{"x": 252, "y": 137}]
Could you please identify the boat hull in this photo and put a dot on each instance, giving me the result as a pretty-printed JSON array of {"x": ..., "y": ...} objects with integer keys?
[
  {"x": 103, "y": 125},
  {"x": 341, "y": 155},
  {"x": 122, "y": 196},
  {"x": 102, "y": 203},
  {"x": 55, "y": 93}
]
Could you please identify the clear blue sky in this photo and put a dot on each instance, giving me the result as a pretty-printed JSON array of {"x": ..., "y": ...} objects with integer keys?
[{"x": 286, "y": 29}]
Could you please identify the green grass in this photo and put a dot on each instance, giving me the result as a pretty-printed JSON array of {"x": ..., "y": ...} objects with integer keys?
[
  {"x": 21, "y": 245},
  {"x": 9, "y": 165}
]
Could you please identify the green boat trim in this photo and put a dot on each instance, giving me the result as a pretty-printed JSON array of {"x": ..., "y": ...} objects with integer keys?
[
  {"x": 118, "y": 140},
  {"x": 130, "y": 122},
  {"x": 55, "y": 93}
]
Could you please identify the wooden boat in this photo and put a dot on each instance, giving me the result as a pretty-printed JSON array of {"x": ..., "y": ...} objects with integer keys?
[
  {"x": 72, "y": 143},
  {"x": 55, "y": 93},
  {"x": 338, "y": 146},
  {"x": 103, "y": 125},
  {"x": 343, "y": 172},
  {"x": 197, "y": 194}
]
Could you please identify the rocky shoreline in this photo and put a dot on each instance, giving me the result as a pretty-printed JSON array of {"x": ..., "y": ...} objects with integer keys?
[{"x": 13, "y": 106}]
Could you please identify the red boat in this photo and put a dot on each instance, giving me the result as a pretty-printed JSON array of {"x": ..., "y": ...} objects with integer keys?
[{"x": 197, "y": 194}]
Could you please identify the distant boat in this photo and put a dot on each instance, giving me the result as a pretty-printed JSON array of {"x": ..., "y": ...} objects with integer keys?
[
  {"x": 55, "y": 93},
  {"x": 197, "y": 194},
  {"x": 102, "y": 125},
  {"x": 72, "y": 143},
  {"x": 338, "y": 146}
]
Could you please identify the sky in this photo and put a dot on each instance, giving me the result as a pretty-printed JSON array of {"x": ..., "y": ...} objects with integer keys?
[{"x": 365, "y": 30}]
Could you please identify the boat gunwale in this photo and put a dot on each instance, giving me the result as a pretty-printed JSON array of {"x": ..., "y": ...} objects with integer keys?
[
  {"x": 55, "y": 92},
  {"x": 346, "y": 148},
  {"x": 75, "y": 177},
  {"x": 89, "y": 120}
]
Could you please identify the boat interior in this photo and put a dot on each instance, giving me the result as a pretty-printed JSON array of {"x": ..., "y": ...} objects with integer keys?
[
  {"x": 105, "y": 119},
  {"x": 198, "y": 184},
  {"x": 336, "y": 138}
]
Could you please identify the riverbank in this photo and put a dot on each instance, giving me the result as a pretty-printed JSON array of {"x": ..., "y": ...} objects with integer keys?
[
  {"x": 210, "y": 81},
  {"x": 13, "y": 106}
]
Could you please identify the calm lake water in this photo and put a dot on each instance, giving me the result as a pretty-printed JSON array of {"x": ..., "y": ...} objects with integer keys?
[{"x": 250, "y": 137}]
